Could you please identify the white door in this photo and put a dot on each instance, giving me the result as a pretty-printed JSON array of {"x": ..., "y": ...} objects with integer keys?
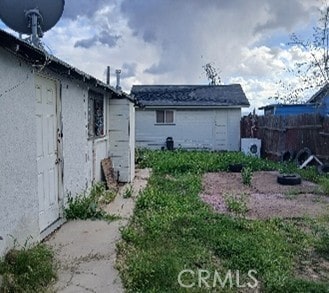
[
  {"x": 220, "y": 130},
  {"x": 47, "y": 159}
]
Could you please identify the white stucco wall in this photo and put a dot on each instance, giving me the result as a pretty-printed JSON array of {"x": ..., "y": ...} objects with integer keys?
[
  {"x": 192, "y": 129},
  {"x": 81, "y": 156},
  {"x": 75, "y": 148},
  {"x": 19, "y": 208}
]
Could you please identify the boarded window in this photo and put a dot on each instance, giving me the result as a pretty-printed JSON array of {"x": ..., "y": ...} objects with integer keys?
[
  {"x": 165, "y": 116},
  {"x": 95, "y": 114}
]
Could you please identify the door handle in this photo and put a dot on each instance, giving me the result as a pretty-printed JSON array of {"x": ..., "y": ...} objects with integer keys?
[{"x": 58, "y": 160}]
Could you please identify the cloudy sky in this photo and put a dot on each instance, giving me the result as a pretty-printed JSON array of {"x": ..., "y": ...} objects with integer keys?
[{"x": 168, "y": 41}]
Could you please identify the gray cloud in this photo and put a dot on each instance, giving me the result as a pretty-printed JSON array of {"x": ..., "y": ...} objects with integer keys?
[
  {"x": 149, "y": 36},
  {"x": 108, "y": 39},
  {"x": 285, "y": 16},
  {"x": 75, "y": 8},
  {"x": 104, "y": 38},
  {"x": 157, "y": 69},
  {"x": 154, "y": 19},
  {"x": 86, "y": 43},
  {"x": 128, "y": 70},
  {"x": 182, "y": 31}
]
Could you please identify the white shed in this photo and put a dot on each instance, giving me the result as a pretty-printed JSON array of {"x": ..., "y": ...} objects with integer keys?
[
  {"x": 192, "y": 116},
  {"x": 57, "y": 124}
]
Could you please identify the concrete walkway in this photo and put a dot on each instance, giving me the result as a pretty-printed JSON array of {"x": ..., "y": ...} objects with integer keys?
[{"x": 86, "y": 250}]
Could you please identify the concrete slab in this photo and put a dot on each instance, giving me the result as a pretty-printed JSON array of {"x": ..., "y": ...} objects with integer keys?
[{"x": 86, "y": 250}]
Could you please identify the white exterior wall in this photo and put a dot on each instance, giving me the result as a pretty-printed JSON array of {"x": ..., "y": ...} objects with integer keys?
[
  {"x": 192, "y": 129},
  {"x": 80, "y": 156},
  {"x": 19, "y": 206},
  {"x": 75, "y": 135},
  {"x": 121, "y": 140},
  {"x": 234, "y": 131}
]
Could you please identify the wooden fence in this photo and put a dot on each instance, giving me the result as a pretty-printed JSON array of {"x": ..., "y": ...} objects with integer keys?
[{"x": 281, "y": 134}]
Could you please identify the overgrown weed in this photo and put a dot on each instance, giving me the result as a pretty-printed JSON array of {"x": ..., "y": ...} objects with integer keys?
[
  {"x": 237, "y": 203},
  {"x": 88, "y": 205},
  {"x": 173, "y": 230},
  {"x": 27, "y": 268}
]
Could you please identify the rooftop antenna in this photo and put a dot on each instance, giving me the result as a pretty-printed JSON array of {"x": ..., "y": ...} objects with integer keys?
[
  {"x": 31, "y": 17},
  {"x": 118, "y": 72}
]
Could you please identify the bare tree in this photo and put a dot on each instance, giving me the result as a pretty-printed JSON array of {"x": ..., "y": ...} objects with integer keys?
[
  {"x": 212, "y": 74},
  {"x": 313, "y": 72}
]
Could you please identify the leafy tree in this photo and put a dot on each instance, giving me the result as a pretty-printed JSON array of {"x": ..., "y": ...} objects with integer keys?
[
  {"x": 212, "y": 74},
  {"x": 313, "y": 72}
]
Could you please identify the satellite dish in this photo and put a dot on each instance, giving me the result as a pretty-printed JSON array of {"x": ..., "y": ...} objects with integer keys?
[{"x": 31, "y": 17}]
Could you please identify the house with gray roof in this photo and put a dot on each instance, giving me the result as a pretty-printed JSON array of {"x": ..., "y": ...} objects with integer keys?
[{"x": 189, "y": 116}]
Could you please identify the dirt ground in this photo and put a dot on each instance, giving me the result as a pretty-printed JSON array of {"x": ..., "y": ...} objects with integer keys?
[{"x": 265, "y": 198}]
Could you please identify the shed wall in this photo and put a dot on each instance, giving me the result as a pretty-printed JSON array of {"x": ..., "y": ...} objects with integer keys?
[{"x": 192, "y": 129}]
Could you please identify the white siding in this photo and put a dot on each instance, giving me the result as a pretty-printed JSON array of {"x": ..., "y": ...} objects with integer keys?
[
  {"x": 214, "y": 129},
  {"x": 19, "y": 206},
  {"x": 234, "y": 132},
  {"x": 121, "y": 141}
]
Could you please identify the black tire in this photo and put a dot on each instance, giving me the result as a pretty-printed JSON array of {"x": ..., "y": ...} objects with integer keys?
[
  {"x": 289, "y": 179},
  {"x": 323, "y": 169},
  {"x": 302, "y": 156},
  {"x": 288, "y": 156},
  {"x": 235, "y": 167}
]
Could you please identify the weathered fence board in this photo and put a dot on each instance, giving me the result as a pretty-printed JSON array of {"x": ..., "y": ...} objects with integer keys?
[{"x": 280, "y": 134}]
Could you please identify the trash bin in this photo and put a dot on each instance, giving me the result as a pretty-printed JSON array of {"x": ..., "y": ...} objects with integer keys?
[{"x": 170, "y": 144}]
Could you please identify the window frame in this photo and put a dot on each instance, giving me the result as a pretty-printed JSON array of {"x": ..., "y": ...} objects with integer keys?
[
  {"x": 96, "y": 99},
  {"x": 165, "y": 112}
]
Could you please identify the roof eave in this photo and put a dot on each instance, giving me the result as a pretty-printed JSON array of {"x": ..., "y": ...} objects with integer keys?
[
  {"x": 192, "y": 106},
  {"x": 39, "y": 58}
]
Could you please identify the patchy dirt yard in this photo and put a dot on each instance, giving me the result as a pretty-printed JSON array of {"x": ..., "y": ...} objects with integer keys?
[{"x": 265, "y": 198}]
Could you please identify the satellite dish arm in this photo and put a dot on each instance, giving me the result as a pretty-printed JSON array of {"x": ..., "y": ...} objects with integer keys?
[{"x": 35, "y": 19}]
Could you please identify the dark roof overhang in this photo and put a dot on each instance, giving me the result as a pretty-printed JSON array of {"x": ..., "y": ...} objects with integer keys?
[{"x": 40, "y": 59}]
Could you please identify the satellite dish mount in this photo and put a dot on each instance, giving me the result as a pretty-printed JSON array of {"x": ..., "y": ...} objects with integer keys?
[
  {"x": 31, "y": 17},
  {"x": 34, "y": 22}
]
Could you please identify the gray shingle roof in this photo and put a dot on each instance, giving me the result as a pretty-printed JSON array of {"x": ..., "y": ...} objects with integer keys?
[{"x": 190, "y": 95}]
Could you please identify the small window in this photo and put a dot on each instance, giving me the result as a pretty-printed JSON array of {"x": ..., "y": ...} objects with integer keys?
[
  {"x": 95, "y": 114},
  {"x": 165, "y": 116}
]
